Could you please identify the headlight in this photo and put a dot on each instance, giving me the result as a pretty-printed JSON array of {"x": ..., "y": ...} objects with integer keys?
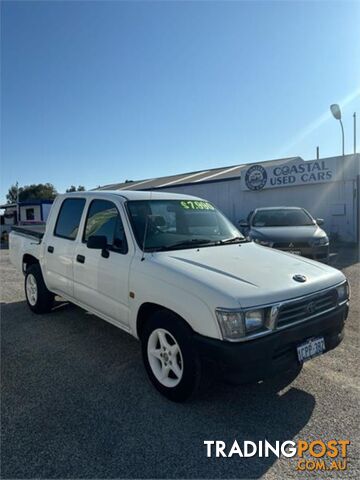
[
  {"x": 343, "y": 292},
  {"x": 320, "y": 241},
  {"x": 231, "y": 324},
  {"x": 254, "y": 319},
  {"x": 265, "y": 243},
  {"x": 235, "y": 325}
]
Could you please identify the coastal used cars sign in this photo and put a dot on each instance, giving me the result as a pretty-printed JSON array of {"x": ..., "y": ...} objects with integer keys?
[{"x": 297, "y": 172}]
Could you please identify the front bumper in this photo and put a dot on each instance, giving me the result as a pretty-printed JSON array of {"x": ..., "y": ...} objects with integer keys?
[{"x": 264, "y": 357}]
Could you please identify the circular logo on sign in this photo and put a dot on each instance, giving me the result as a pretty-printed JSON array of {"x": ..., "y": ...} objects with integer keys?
[{"x": 256, "y": 177}]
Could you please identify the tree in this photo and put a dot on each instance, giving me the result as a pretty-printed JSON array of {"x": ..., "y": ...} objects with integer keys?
[
  {"x": 80, "y": 188},
  {"x": 12, "y": 194},
  {"x": 44, "y": 191}
]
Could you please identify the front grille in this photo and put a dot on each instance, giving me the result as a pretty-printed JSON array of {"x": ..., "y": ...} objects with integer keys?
[
  {"x": 306, "y": 307},
  {"x": 291, "y": 245}
]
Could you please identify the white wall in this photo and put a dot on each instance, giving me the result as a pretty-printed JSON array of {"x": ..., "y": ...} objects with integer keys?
[
  {"x": 37, "y": 212},
  {"x": 335, "y": 202}
]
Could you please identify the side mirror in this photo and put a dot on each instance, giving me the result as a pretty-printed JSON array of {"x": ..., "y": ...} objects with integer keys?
[
  {"x": 243, "y": 224},
  {"x": 98, "y": 242},
  {"x": 320, "y": 221}
]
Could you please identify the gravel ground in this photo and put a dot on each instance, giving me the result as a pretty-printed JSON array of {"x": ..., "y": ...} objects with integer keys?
[{"x": 76, "y": 402}]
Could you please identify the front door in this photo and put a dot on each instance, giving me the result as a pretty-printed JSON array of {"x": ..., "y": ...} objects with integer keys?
[{"x": 101, "y": 278}]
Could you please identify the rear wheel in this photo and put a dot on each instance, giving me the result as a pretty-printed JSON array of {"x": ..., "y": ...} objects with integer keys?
[
  {"x": 38, "y": 297},
  {"x": 170, "y": 359}
]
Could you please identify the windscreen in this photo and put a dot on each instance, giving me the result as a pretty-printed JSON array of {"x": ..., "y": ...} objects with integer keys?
[
  {"x": 281, "y": 218},
  {"x": 172, "y": 224}
]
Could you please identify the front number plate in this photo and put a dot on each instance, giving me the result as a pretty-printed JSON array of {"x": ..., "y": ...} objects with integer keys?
[
  {"x": 295, "y": 252},
  {"x": 310, "y": 349}
]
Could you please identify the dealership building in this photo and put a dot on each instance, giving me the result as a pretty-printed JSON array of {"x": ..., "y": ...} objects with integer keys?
[{"x": 328, "y": 188}]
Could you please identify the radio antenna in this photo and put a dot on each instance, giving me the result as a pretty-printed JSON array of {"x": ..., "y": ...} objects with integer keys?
[{"x": 145, "y": 231}]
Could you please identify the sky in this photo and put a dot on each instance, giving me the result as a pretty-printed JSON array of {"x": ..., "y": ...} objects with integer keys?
[{"x": 99, "y": 92}]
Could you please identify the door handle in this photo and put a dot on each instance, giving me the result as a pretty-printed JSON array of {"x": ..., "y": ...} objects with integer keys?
[
  {"x": 50, "y": 249},
  {"x": 80, "y": 258}
]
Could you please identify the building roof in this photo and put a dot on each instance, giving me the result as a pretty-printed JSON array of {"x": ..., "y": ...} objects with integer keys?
[
  {"x": 200, "y": 176},
  {"x": 8, "y": 205},
  {"x": 35, "y": 201}
]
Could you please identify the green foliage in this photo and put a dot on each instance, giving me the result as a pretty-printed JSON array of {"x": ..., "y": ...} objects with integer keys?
[
  {"x": 72, "y": 188},
  {"x": 44, "y": 191},
  {"x": 12, "y": 194}
]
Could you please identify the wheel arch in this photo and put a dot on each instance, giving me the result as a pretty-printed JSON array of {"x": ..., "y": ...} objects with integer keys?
[
  {"x": 148, "y": 309},
  {"x": 28, "y": 260}
]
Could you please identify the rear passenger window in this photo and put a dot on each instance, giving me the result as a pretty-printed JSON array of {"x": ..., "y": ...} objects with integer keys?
[{"x": 67, "y": 224}]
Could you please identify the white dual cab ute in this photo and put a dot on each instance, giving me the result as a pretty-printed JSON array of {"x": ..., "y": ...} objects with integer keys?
[{"x": 175, "y": 273}]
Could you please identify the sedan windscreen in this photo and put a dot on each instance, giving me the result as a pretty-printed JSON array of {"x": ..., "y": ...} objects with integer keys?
[
  {"x": 175, "y": 224},
  {"x": 282, "y": 218}
]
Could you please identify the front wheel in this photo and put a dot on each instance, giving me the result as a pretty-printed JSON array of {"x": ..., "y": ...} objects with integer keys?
[
  {"x": 38, "y": 297},
  {"x": 170, "y": 359}
]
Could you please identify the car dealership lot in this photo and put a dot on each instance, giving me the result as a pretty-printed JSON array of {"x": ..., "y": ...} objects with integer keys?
[{"x": 76, "y": 402}]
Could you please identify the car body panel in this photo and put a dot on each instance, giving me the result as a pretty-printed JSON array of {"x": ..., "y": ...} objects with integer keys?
[
  {"x": 300, "y": 239},
  {"x": 289, "y": 234},
  {"x": 231, "y": 269},
  {"x": 191, "y": 282}
]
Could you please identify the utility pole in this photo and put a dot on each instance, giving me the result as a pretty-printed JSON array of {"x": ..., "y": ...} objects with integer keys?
[
  {"x": 343, "y": 137},
  {"x": 354, "y": 132},
  {"x": 17, "y": 204}
]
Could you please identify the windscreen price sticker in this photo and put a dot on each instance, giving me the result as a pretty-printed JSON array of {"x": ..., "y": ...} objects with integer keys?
[{"x": 196, "y": 205}]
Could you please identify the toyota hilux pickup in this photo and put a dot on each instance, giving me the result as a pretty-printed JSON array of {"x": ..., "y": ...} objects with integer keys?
[{"x": 174, "y": 272}]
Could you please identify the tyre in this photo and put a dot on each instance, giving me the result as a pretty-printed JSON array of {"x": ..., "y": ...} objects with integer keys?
[
  {"x": 170, "y": 359},
  {"x": 38, "y": 297}
]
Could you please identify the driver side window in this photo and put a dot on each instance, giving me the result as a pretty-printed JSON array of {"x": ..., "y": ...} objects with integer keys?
[{"x": 103, "y": 218}]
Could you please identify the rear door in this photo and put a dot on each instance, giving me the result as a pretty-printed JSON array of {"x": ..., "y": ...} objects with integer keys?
[
  {"x": 101, "y": 281},
  {"x": 59, "y": 247}
]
